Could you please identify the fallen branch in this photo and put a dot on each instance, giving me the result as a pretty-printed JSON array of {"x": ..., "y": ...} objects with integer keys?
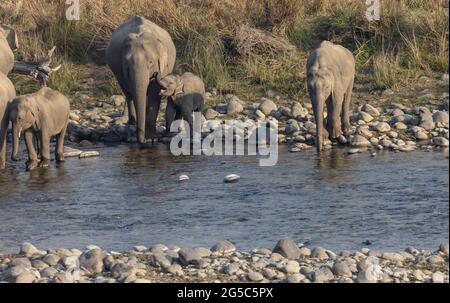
[{"x": 39, "y": 70}]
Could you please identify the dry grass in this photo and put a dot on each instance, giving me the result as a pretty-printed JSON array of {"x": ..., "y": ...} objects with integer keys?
[{"x": 245, "y": 44}]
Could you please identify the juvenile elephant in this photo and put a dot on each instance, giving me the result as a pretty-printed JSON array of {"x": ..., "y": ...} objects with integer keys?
[
  {"x": 43, "y": 114},
  {"x": 138, "y": 49},
  {"x": 185, "y": 95},
  {"x": 7, "y": 94},
  {"x": 8, "y": 43},
  {"x": 331, "y": 73}
]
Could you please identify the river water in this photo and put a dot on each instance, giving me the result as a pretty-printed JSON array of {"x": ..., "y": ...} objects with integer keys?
[{"x": 131, "y": 196}]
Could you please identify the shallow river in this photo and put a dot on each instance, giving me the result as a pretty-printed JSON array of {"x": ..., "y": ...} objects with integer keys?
[{"x": 132, "y": 197}]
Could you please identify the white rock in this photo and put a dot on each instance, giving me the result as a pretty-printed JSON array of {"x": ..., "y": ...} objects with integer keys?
[
  {"x": 89, "y": 154},
  {"x": 231, "y": 178},
  {"x": 183, "y": 178}
]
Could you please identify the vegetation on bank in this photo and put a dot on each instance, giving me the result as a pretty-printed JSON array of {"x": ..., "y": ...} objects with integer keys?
[{"x": 244, "y": 46}]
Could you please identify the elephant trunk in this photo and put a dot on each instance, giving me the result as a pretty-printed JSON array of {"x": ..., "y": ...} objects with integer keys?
[
  {"x": 16, "y": 136},
  {"x": 141, "y": 82},
  {"x": 318, "y": 114}
]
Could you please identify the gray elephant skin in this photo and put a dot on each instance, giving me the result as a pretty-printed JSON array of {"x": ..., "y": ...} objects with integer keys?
[
  {"x": 138, "y": 49},
  {"x": 330, "y": 78},
  {"x": 185, "y": 95},
  {"x": 7, "y": 94},
  {"x": 8, "y": 43},
  {"x": 43, "y": 115}
]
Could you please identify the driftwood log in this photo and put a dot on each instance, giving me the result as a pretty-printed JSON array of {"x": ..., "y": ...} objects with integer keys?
[{"x": 39, "y": 70}]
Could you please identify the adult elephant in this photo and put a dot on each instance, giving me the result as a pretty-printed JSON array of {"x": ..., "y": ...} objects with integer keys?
[
  {"x": 8, "y": 43},
  {"x": 138, "y": 50}
]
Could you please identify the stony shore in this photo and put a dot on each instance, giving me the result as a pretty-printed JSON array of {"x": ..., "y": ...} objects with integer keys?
[
  {"x": 375, "y": 125},
  {"x": 287, "y": 262}
]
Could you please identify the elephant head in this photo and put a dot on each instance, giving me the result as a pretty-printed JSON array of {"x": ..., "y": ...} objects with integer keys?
[
  {"x": 320, "y": 88},
  {"x": 143, "y": 57},
  {"x": 24, "y": 114},
  {"x": 10, "y": 36},
  {"x": 171, "y": 85}
]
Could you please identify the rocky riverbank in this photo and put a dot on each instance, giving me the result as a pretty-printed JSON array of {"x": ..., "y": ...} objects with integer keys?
[
  {"x": 376, "y": 125},
  {"x": 287, "y": 262}
]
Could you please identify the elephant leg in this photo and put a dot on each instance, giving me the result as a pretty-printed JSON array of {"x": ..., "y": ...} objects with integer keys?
[
  {"x": 130, "y": 109},
  {"x": 3, "y": 131},
  {"x": 171, "y": 113},
  {"x": 153, "y": 104},
  {"x": 329, "y": 119},
  {"x": 187, "y": 116},
  {"x": 32, "y": 154},
  {"x": 346, "y": 109},
  {"x": 59, "y": 150},
  {"x": 45, "y": 149},
  {"x": 334, "y": 117}
]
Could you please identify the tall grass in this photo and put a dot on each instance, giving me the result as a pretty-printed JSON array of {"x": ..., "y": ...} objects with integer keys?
[{"x": 411, "y": 35}]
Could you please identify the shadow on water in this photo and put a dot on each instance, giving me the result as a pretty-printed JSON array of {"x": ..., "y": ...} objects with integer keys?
[{"x": 132, "y": 196}]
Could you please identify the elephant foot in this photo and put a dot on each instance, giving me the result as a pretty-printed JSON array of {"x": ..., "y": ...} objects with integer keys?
[
  {"x": 44, "y": 163},
  {"x": 2, "y": 165},
  {"x": 15, "y": 158},
  {"x": 32, "y": 164},
  {"x": 60, "y": 158}
]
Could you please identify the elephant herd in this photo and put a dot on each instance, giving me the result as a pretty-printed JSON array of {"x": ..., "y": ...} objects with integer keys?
[{"x": 142, "y": 57}]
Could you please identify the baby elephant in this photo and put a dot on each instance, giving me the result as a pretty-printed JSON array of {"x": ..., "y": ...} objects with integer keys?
[
  {"x": 43, "y": 114},
  {"x": 186, "y": 94},
  {"x": 331, "y": 72}
]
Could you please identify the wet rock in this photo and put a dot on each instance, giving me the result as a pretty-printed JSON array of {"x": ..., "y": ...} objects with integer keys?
[
  {"x": 322, "y": 275},
  {"x": 287, "y": 248},
  {"x": 267, "y": 106},
  {"x": 222, "y": 108},
  {"x": 360, "y": 141},
  {"x": 223, "y": 247},
  {"x": 92, "y": 260},
  {"x": 353, "y": 151},
  {"x": 39, "y": 264},
  {"x": 406, "y": 119},
  {"x": 232, "y": 268}
]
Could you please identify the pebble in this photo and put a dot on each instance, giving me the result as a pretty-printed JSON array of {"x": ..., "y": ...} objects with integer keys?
[
  {"x": 28, "y": 249},
  {"x": 92, "y": 260},
  {"x": 322, "y": 275},
  {"x": 444, "y": 247},
  {"x": 292, "y": 267}
]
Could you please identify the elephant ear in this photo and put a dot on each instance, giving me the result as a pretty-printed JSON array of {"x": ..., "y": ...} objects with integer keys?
[
  {"x": 11, "y": 36},
  {"x": 180, "y": 86},
  {"x": 163, "y": 60}
]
